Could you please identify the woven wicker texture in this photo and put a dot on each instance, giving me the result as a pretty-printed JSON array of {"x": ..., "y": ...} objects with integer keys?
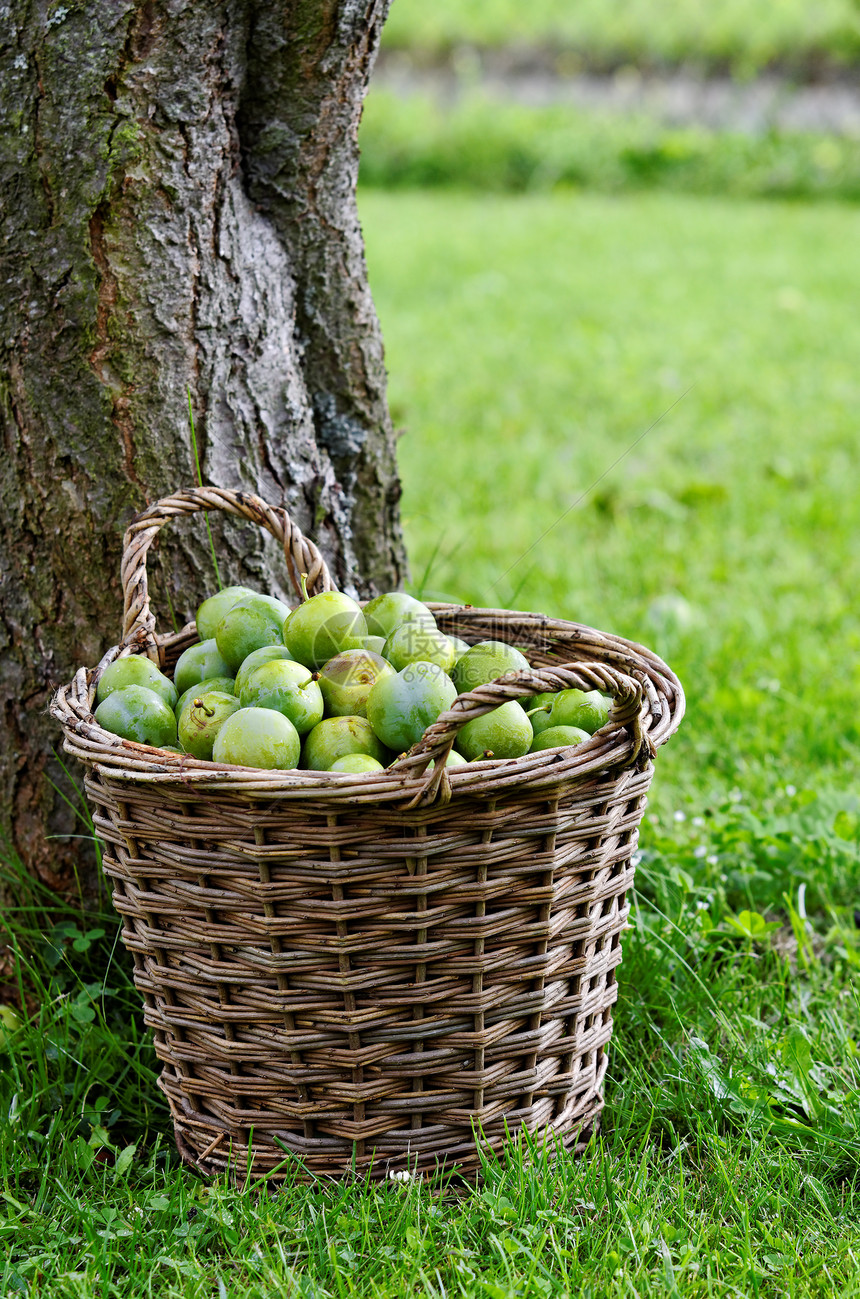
[{"x": 377, "y": 971}]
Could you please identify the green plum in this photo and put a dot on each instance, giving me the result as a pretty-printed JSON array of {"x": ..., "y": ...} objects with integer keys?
[
  {"x": 199, "y": 663},
  {"x": 538, "y": 708},
  {"x": 203, "y": 719},
  {"x": 454, "y": 759},
  {"x": 325, "y": 625},
  {"x": 135, "y": 670},
  {"x": 256, "y": 659},
  {"x": 225, "y": 684},
  {"x": 278, "y": 608},
  {"x": 487, "y": 661},
  {"x": 347, "y": 680},
  {"x": 288, "y": 688},
  {"x": 376, "y": 644},
  {"x": 10, "y": 1022},
  {"x": 139, "y": 714},
  {"x": 506, "y": 732},
  {"x": 335, "y": 737},
  {"x": 543, "y": 701},
  {"x": 393, "y": 608},
  {"x": 356, "y": 764},
  {"x": 212, "y": 610},
  {"x": 258, "y": 737},
  {"x": 402, "y": 706},
  {"x": 251, "y": 623},
  {"x": 414, "y": 642},
  {"x": 588, "y": 710},
  {"x": 461, "y": 647},
  {"x": 557, "y": 737}
]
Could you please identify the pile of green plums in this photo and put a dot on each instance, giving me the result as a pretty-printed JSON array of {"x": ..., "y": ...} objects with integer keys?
[{"x": 329, "y": 686}]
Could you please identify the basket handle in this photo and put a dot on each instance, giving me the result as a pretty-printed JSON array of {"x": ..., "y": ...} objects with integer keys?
[
  {"x": 301, "y": 554},
  {"x": 438, "y": 740}
]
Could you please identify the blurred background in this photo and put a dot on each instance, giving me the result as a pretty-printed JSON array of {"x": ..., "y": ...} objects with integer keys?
[{"x": 614, "y": 248}]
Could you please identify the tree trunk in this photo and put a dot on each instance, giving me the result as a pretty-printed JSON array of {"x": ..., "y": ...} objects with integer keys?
[{"x": 177, "y": 181}]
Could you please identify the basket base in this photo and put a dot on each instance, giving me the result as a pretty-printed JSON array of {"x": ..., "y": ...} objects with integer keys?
[{"x": 569, "y": 1134}]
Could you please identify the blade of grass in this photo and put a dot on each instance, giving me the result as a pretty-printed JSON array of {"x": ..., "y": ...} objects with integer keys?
[{"x": 170, "y": 602}]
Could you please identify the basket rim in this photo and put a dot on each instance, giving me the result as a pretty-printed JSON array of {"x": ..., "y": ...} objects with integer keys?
[{"x": 612, "y": 747}]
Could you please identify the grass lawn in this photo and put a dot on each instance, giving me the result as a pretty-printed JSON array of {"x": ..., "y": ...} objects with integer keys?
[
  {"x": 723, "y": 31},
  {"x": 640, "y": 413},
  {"x": 532, "y": 342}
]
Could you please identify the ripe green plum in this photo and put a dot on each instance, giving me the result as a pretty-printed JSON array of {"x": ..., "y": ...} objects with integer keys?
[
  {"x": 557, "y": 737},
  {"x": 256, "y": 659},
  {"x": 505, "y": 732},
  {"x": 402, "y": 706},
  {"x": 391, "y": 609},
  {"x": 202, "y": 720},
  {"x": 138, "y": 713},
  {"x": 212, "y": 610},
  {"x": 356, "y": 764},
  {"x": 325, "y": 625},
  {"x": 454, "y": 759},
  {"x": 487, "y": 661},
  {"x": 199, "y": 663},
  {"x": 278, "y": 608},
  {"x": 538, "y": 709},
  {"x": 347, "y": 680},
  {"x": 335, "y": 737},
  {"x": 376, "y": 644},
  {"x": 288, "y": 688},
  {"x": 258, "y": 737},
  {"x": 135, "y": 670},
  {"x": 414, "y": 642},
  {"x": 10, "y": 1022},
  {"x": 251, "y": 623},
  {"x": 225, "y": 684},
  {"x": 542, "y": 701},
  {"x": 586, "y": 709}
]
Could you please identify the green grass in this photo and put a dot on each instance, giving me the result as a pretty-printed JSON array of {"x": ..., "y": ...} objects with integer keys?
[
  {"x": 728, "y": 1162},
  {"x": 531, "y": 341},
  {"x": 729, "y": 32},
  {"x": 482, "y": 143}
]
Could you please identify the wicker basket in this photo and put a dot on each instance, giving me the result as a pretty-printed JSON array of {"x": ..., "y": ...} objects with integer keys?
[{"x": 376, "y": 972}]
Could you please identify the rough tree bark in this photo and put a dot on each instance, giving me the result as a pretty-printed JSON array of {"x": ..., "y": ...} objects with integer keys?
[{"x": 177, "y": 211}]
